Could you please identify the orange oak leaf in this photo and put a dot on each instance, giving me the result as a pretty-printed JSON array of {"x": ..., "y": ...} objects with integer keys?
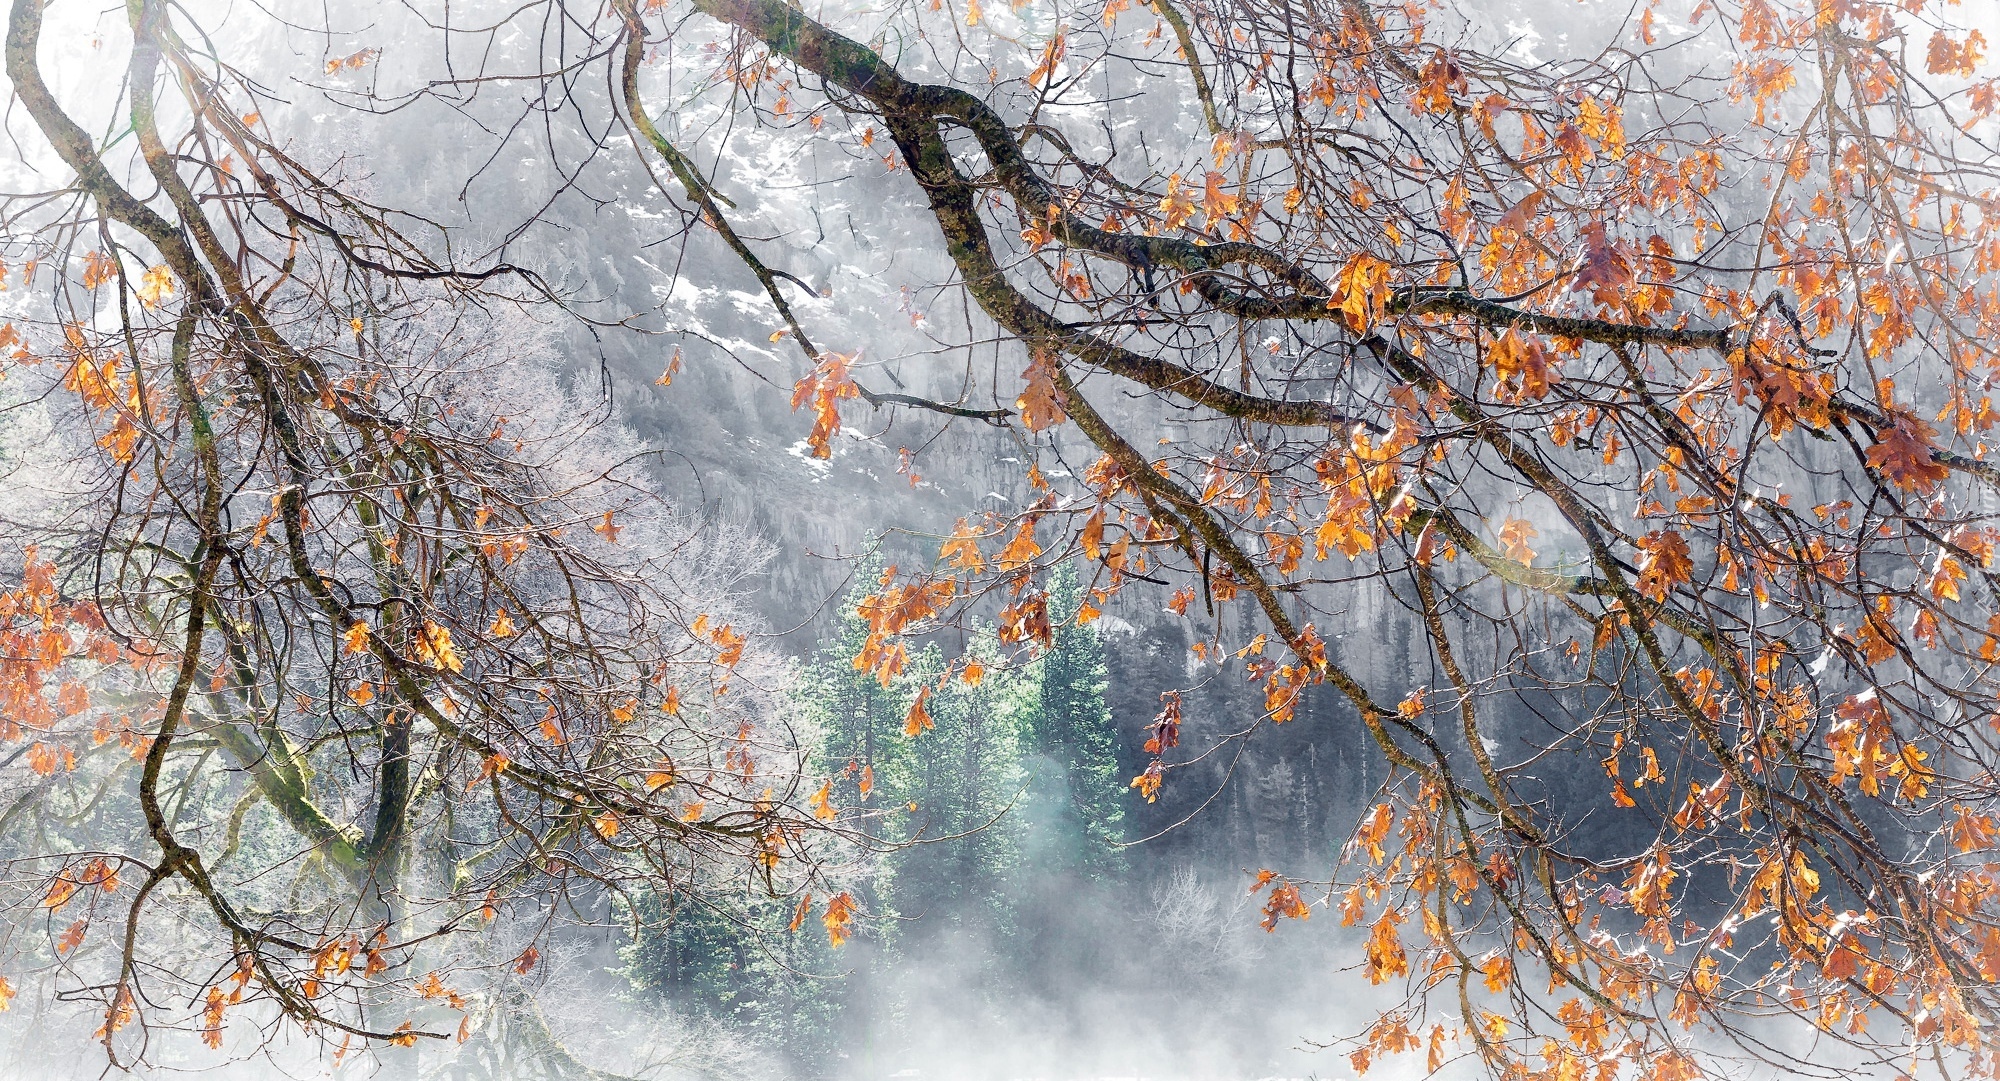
[
  {"x": 962, "y": 548},
  {"x": 1041, "y": 401},
  {"x": 918, "y": 720},
  {"x": 1021, "y": 550},
  {"x": 1665, "y": 563},
  {"x": 838, "y": 918},
  {"x": 1515, "y": 533},
  {"x": 1905, "y": 455}
]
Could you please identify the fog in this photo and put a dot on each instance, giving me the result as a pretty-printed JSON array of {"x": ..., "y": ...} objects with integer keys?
[{"x": 1030, "y": 917}]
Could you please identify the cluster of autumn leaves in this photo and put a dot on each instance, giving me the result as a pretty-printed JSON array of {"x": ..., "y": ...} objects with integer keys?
[
  {"x": 62, "y": 699},
  {"x": 1608, "y": 237},
  {"x": 44, "y": 641},
  {"x": 47, "y": 647},
  {"x": 1739, "y": 750}
]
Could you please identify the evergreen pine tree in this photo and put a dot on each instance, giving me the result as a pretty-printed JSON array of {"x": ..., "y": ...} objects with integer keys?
[
  {"x": 1017, "y": 771},
  {"x": 957, "y": 785},
  {"x": 1079, "y": 787}
]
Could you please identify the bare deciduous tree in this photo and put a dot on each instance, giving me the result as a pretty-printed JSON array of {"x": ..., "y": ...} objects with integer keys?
[{"x": 337, "y": 553}]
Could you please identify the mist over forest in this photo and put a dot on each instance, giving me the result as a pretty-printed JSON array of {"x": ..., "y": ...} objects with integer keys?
[{"x": 1201, "y": 540}]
